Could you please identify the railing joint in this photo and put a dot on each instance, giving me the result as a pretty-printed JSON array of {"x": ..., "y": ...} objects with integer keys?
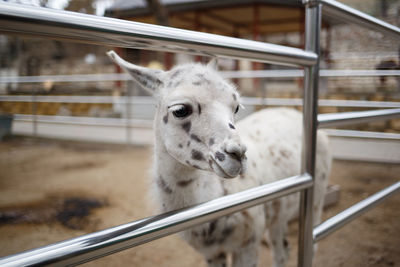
[{"x": 311, "y": 3}]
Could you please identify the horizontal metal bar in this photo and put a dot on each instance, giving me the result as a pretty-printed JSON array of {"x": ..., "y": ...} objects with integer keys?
[
  {"x": 321, "y": 102},
  {"x": 357, "y": 103},
  {"x": 300, "y": 73},
  {"x": 345, "y": 118},
  {"x": 81, "y": 120},
  {"x": 346, "y": 216},
  {"x": 121, "y": 122},
  {"x": 362, "y": 134},
  {"x": 58, "y": 24},
  {"x": 338, "y": 11},
  {"x": 145, "y": 100},
  {"x": 104, "y": 77},
  {"x": 103, "y": 243},
  {"x": 98, "y": 77}
]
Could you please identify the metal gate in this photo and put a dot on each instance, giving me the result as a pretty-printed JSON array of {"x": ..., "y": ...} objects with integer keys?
[{"x": 48, "y": 23}]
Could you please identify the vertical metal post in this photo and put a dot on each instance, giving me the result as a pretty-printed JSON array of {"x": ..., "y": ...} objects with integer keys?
[{"x": 310, "y": 112}]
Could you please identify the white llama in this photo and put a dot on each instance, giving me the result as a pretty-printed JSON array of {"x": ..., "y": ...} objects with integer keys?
[{"x": 199, "y": 148}]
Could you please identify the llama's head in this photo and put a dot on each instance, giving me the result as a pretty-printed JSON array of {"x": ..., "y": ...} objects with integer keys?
[{"x": 195, "y": 115}]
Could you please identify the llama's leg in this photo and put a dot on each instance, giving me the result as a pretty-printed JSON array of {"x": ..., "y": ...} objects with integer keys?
[
  {"x": 218, "y": 261},
  {"x": 278, "y": 244},
  {"x": 276, "y": 233},
  {"x": 247, "y": 256}
]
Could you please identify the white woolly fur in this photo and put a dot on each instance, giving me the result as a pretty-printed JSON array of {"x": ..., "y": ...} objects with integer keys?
[{"x": 200, "y": 154}]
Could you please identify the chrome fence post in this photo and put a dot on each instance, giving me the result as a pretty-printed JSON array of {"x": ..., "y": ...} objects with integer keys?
[{"x": 310, "y": 112}]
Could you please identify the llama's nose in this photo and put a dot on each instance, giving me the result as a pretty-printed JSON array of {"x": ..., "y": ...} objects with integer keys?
[{"x": 235, "y": 150}]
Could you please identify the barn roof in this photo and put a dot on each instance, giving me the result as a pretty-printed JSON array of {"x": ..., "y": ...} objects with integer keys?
[{"x": 227, "y": 17}]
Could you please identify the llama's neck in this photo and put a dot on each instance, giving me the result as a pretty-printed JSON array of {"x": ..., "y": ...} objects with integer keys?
[
  {"x": 169, "y": 168},
  {"x": 180, "y": 185}
]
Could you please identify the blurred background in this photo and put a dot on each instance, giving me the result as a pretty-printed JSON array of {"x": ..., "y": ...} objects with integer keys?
[
  {"x": 68, "y": 113},
  {"x": 64, "y": 77}
]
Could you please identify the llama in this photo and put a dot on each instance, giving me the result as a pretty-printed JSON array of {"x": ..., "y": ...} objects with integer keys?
[{"x": 200, "y": 154}]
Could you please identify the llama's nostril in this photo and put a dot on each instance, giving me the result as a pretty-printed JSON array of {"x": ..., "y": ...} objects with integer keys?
[
  {"x": 235, "y": 152},
  {"x": 235, "y": 155}
]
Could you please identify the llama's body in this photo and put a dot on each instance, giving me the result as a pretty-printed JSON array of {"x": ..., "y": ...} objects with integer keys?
[{"x": 197, "y": 146}]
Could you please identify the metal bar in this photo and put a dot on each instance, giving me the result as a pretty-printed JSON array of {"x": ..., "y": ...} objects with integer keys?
[
  {"x": 93, "y": 121},
  {"x": 338, "y": 11},
  {"x": 73, "y": 120},
  {"x": 98, "y": 77},
  {"x": 329, "y": 226},
  {"x": 310, "y": 111},
  {"x": 106, "y": 242},
  {"x": 362, "y": 134},
  {"x": 300, "y": 73},
  {"x": 57, "y": 24},
  {"x": 147, "y": 100},
  {"x": 227, "y": 74},
  {"x": 321, "y": 102},
  {"x": 344, "y": 118}
]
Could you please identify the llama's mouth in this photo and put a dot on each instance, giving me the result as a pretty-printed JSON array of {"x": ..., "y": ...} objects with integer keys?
[{"x": 230, "y": 170}]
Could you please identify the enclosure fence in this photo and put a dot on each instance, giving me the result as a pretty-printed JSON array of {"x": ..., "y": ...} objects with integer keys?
[{"x": 19, "y": 19}]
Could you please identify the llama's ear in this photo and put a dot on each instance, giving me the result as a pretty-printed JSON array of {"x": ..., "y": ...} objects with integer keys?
[
  {"x": 213, "y": 63},
  {"x": 149, "y": 79}
]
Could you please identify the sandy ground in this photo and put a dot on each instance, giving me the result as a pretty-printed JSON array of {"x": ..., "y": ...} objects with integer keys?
[{"x": 52, "y": 190}]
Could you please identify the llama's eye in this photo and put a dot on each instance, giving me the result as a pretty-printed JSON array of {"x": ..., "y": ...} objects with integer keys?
[
  {"x": 182, "y": 111},
  {"x": 237, "y": 109}
]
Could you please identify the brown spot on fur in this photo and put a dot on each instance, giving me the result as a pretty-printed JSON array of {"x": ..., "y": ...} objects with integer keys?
[
  {"x": 226, "y": 233},
  {"x": 199, "y": 107},
  {"x": 212, "y": 227},
  {"x": 163, "y": 185},
  {"x": 231, "y": 126},
  {"x": 254, "y": 164},
  {"x": 247, "y": 215},
  {"x": 197, "y": 155},
  {"x": 184, "y": 183},
  {"x": 276, "y": 206},
  {"x": 165, "y": 119},
  {"x": 211, "y": 142},
  {"x": 285, "y": 153},
  {"x": 277, "y": 161},
  {"x": 195, "y": 138},
  {"x": 186, "y": 126},
  {"x": 271, "y": 151}
]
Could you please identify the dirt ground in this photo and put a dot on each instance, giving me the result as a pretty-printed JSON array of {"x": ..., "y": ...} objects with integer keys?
[{"x": 54, "y": 190}]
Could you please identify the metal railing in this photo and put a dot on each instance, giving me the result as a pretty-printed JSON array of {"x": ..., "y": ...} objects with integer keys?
[
  {"x": 112, "y": 32},
  {"x": 144, "y": 100},
  {"x": 295, "y": 73}
]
